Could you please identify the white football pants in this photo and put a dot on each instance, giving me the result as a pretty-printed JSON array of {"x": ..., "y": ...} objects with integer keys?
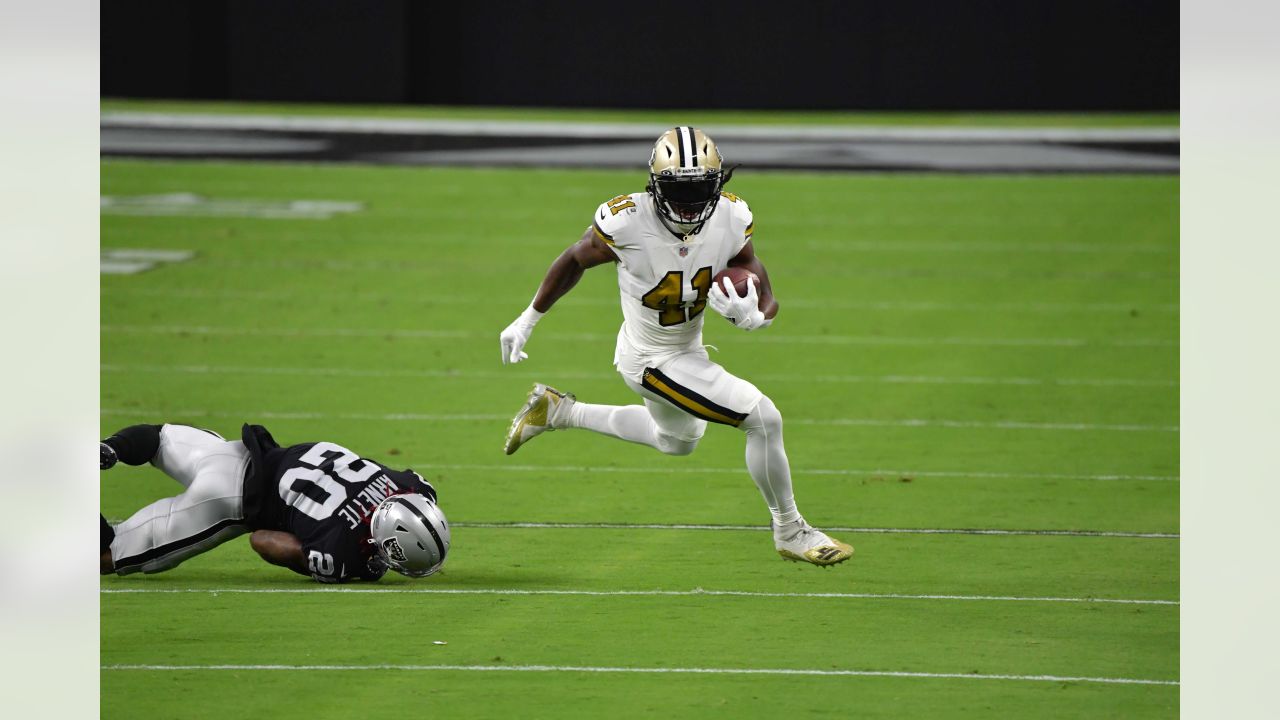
[
  {"x": 681, "y": 395},
  {"x": 209, "y": 512}
]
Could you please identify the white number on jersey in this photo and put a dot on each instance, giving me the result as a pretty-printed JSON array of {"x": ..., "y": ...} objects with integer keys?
[
  {"x": 294, "y": 482},
  {"x": 320, "y": 563}
]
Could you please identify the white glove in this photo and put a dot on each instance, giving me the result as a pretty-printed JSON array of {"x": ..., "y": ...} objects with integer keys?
[
  {"x": 517, "y": 334},
  {"x": 741, "y": 311}
]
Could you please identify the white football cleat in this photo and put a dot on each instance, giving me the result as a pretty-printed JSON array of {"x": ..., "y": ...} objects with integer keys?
[
  {"x": 542, "y": 412},
  {"x": 800, "y": 542}
]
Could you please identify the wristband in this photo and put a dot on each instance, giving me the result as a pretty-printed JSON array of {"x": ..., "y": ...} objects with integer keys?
[{"x": 530, "y": 316}]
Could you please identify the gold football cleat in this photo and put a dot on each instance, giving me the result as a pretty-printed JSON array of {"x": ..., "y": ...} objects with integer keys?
[
  {"x": 543, "y": 405},
  {"x": 805, "y": 544}
]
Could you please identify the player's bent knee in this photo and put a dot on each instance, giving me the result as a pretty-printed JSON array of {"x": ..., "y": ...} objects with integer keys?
[
  {"x": 764, "y": 418},
  {"x": 675, "y": 446}
]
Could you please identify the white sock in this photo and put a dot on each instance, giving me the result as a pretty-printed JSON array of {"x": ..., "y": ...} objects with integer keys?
[
  {"x": 626, "y": 422},
  {"x": 767, "y": 462}
]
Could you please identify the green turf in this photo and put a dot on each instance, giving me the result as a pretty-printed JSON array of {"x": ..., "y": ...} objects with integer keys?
[
  {"x": 981, "y": 352},
  {"x": 668, "y": 117}
]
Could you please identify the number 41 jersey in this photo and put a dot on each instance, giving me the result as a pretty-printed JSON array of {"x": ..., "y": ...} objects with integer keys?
[
  {"x": 664, "y": 279},
  {"x": 324, "y": 494}
]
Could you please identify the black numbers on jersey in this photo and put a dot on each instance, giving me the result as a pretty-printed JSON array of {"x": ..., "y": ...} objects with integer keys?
[
  {"x": 620, "y": 203},
  {"x": 667, "y": 297},
  {"x": 313, "y": 490}
]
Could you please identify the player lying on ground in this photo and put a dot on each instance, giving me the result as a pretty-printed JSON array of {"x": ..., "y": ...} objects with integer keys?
[
  {"x": 668, "y": 243},
  {"x": 315, "y": 508}
]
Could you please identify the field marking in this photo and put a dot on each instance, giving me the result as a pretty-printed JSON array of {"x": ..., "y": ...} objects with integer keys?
[
  {"x": 654, "y": 670},
  {"x": 934, "y": 246},
  {"x": 950, "y": 273},
  {"x": 572, "y": 301},
  {"x": 589, "y": 469},
  {"x": 832, "y": 528},
  {"x": 628, "y": 593},
  {"x": 186, "y": 204},
  {"x": 130, "y": 261},
  {"x": 525, "y": 525},
  {"x": 839, "y": 472},
  {"x": 500, "y": 374},
  {"x": 488, "y": 417},
  {"x": 871, "y": 340}
]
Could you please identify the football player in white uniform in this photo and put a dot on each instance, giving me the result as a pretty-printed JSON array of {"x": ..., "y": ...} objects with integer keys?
[{"x": 668, "y": 243}]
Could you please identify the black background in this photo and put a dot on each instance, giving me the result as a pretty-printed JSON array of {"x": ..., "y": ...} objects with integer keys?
[{"x": 901, "y": 55}]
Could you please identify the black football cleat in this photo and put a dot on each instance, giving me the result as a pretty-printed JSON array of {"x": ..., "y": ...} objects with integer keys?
[{"x": 107, "y": 456}]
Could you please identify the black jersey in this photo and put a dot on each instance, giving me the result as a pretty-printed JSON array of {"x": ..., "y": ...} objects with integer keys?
[{"x": 324, "y": 494}]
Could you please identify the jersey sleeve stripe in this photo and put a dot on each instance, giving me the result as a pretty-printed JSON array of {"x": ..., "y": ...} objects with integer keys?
[
  {"x": 688, "y": 400},
  {"x": 606, "y": 237}
]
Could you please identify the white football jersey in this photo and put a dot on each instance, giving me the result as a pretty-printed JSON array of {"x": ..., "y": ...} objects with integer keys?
[{"x": 662, "y": 279}]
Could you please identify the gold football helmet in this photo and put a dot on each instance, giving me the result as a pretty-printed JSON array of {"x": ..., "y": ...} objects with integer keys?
[{"x": 686, "y": 174}]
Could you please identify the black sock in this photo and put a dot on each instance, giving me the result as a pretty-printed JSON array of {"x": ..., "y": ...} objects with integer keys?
[
  {"x": 136, "y": 444},
  {"x": 106, "y": 534}
]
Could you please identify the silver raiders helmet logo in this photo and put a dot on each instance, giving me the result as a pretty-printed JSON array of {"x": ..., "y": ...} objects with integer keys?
[{"x": 394, "y": 551}]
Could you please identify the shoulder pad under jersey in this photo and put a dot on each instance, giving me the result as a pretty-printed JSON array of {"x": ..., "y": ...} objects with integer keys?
[{"x": 611, "y": 218}]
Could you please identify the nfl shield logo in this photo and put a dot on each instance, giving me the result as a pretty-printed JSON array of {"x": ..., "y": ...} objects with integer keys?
[{"x": 684, "y": 250}]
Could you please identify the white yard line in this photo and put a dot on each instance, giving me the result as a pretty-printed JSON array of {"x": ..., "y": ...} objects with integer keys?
[
  {"x": 869, "y": 340},
  {"x": 593, "y": 469},
  {"x": 933, "y": 247},
  {"x": 623, "y": 593},
  {"x": 825, "y": 303},
  {"x": 655, "y": 670},
  {"x": 832, "y": 528},
  {"x": 501, "y": 374},
  {"x": 481, "y": 417}
]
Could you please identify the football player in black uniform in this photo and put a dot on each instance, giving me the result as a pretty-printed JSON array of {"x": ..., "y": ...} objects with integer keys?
[{"x": 316, "y": 508}]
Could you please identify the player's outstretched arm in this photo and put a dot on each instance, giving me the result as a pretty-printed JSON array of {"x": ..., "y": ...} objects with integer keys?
[
  {"x": 280, "y": 548},
  {"x": 563, "y": 274}
]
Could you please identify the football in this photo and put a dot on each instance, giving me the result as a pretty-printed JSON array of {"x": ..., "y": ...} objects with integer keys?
[{"x": 739, "y": 277}]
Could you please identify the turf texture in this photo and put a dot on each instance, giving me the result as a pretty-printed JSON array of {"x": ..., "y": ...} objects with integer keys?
[{"x": 978, "y": 374}]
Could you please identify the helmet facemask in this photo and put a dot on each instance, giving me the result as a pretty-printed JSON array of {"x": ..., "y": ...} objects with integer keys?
[
  {"x": 685, "y": 179},
  {"x": 686, "y": 202}
]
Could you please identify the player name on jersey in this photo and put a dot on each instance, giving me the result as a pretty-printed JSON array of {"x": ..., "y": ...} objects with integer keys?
[{"x": 357, "y": 509}]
